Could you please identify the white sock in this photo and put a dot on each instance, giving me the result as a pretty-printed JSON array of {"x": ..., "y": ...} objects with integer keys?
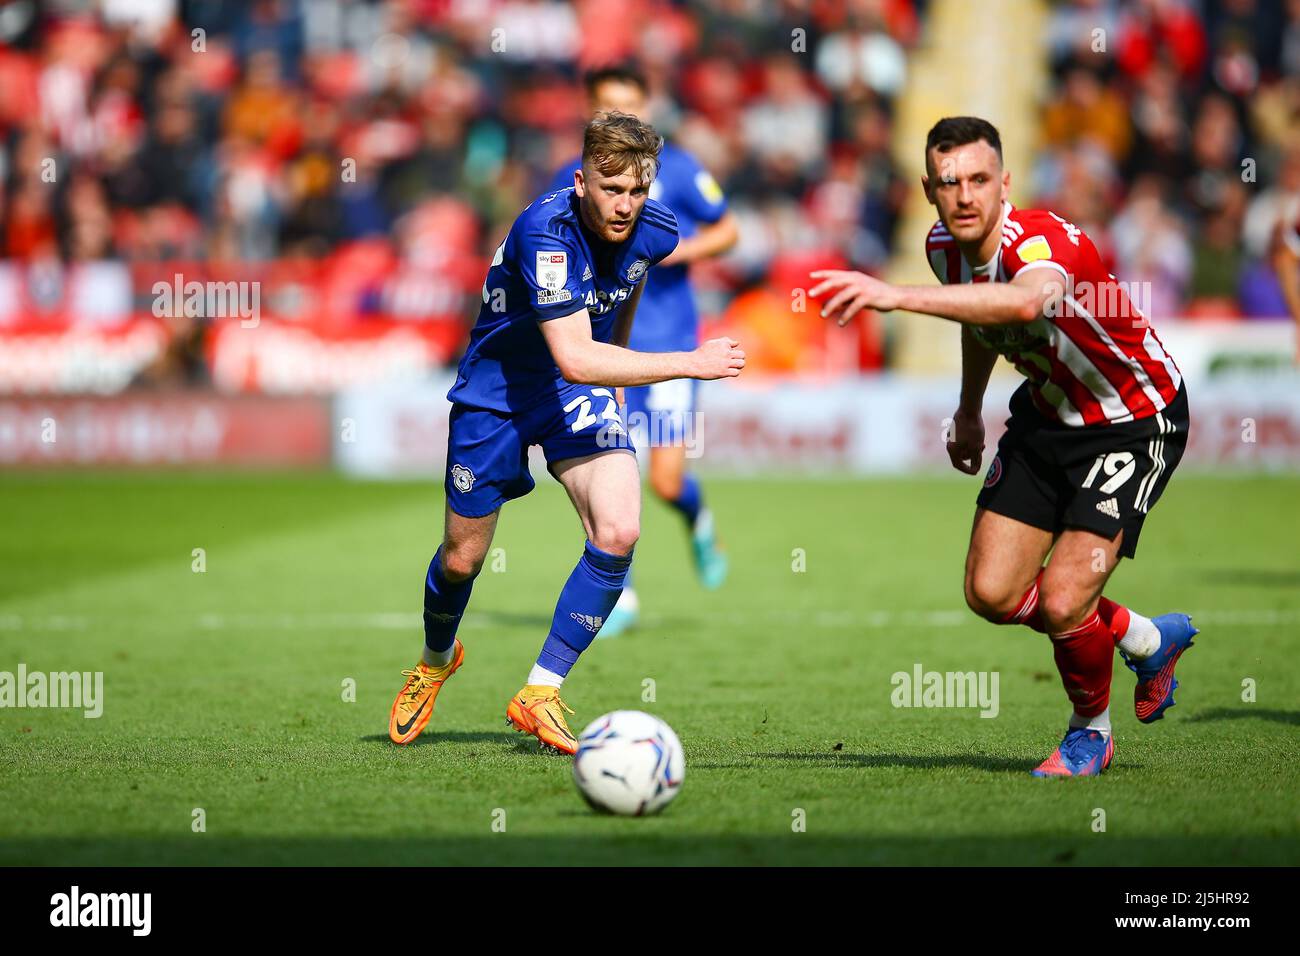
[
  {"x": 1101, "y": 722},
  {"x": 434, "y": 658},
  {"x": 1142, "y": 639},
  {"x": 540, "y": 675}
]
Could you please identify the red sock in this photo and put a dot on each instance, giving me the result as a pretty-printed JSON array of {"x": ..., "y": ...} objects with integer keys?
[
  {"x": 1085, "y": 657},
  {"x": 1026, "y": 611},
  {"x": 1114, "y": 616}
]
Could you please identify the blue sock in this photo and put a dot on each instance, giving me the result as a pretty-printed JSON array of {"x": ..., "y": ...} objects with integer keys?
[
  {"x": 585, "y": 601},
  {"x": 444, "y": 603},
  {"x": 690, "y": 501}
]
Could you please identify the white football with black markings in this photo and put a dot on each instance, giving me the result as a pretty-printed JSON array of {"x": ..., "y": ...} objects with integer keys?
[{"x": 629, "y": 763}]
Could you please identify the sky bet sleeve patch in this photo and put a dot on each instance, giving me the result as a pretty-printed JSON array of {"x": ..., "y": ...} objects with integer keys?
[{"x": 552, "y": 270}]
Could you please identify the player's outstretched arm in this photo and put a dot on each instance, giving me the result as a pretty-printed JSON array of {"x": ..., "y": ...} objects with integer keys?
[
  {"x": 583, "y": 360},
  {"x": 1023, "y": 299}
]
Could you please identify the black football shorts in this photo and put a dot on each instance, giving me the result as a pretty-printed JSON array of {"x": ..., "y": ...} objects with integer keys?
[{"x": 1101, "y": 478}]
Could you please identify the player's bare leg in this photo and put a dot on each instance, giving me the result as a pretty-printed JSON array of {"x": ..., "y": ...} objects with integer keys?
[
  {"x": 1003, "y": 563},
  {"x": 670, "y": 480},
  {"x": 1081, "y": 564},
  {"x": 606, "y": 493},
  {"x": 672, "y": 484},
  {"x": 667, "y": 471},
  {"x": 447, "y": 586}
]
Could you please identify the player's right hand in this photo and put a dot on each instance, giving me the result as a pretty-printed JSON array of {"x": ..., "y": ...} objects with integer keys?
[
  {"x": 966, "y": 448},
  {"x": 718, "y": 358}
]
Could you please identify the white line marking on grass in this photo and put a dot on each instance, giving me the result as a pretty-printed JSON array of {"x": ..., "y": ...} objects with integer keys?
[{"x": 49, "y": 622}]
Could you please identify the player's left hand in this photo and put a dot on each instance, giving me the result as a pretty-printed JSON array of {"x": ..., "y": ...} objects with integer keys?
[{"x": 856, "y": 292}]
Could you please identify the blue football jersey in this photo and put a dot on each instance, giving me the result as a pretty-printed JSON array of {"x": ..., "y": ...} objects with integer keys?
[
  {"x": 666, "y": 320},
  {"x": 550, "y": 265}
]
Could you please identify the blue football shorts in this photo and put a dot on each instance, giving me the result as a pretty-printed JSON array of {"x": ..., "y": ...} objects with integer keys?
[{"x": 487, "y": 451}]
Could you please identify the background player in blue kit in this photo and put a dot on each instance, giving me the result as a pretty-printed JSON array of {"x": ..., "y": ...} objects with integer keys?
[
  {"x": 546, "y": 351},
  {"x": 668, "y": 321}
]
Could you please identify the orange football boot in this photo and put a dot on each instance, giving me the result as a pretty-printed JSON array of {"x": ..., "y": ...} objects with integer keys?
[
  {"x": 538, "y": 710},
  {"x": 414, "y": 705}
]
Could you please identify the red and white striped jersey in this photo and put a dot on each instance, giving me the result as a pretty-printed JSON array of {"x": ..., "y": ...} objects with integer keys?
[{"x": 1095, "y": 359}]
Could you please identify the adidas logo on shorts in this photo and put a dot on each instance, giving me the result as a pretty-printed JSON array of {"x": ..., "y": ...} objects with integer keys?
[{"x": 1109, "y": 507}]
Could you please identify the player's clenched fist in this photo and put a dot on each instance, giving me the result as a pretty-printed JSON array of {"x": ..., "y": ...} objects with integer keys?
[
  {"x": 966, "y": 447},
  {"x": 854, "y": 291},
  {"x": 718, "y": 358}
]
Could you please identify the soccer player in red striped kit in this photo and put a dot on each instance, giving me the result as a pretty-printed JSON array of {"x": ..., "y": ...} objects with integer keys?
[{"x": 1095, "y": 431}]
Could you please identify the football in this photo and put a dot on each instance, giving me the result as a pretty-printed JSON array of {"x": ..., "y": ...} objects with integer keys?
[{"x": 629, "y": 763}]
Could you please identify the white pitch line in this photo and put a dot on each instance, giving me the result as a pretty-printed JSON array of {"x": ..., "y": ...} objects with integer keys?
[{"x": 407, "y": 621}]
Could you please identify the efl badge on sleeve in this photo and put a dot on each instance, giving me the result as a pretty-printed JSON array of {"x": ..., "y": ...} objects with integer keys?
[{"x": 552, "y": 270}]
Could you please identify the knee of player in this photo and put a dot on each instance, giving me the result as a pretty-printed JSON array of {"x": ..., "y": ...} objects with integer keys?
[
  {"x": 667, "y": 486},
  {"x": 989, "y": 599},
  {"x": 1061, "y": 608},
  {"x": 460, "y": 564},
  {"x": 616, "y": 537}
]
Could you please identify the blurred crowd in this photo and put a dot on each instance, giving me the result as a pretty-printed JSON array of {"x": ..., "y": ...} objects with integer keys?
[
  {"x": 362, "y": 158},
  {"x": 1173, "y": 138},
  {"x": 370, "y": 154}
]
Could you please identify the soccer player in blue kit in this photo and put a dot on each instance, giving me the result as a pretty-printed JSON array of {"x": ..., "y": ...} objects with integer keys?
[
  {"x": 662, "y": 416},
  {"x": 546, "y": 351}
]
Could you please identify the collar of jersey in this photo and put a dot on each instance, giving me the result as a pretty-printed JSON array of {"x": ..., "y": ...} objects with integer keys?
[{"x": 991, "y": 266}]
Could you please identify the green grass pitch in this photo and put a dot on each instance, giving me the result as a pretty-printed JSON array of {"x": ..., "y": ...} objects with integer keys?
[{"x": 224, "y": 689}]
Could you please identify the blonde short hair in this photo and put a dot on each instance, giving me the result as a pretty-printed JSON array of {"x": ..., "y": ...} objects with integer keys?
[{"x": 615, "y": 143}]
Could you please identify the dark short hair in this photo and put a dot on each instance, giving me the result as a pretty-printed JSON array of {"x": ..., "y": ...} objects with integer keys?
[
  {"x": 614, "y": 74},
  {"x": 953, "y": 131}
]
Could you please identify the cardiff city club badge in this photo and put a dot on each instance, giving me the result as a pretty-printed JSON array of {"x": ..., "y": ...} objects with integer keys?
[
  {"x": 462, "y": 478},
  {"x": 636, "y": 270}
]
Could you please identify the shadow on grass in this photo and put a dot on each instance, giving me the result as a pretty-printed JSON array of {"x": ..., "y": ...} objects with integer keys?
[
  {"x": 518, "y": 742},
  {"x": 511, "y": 619},
  {"x": 1243, "y": 713},
  {"x": 447, "y": 737},
  {"x": 856, "y": 761},
  {"x": 621, "y": 841}
]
